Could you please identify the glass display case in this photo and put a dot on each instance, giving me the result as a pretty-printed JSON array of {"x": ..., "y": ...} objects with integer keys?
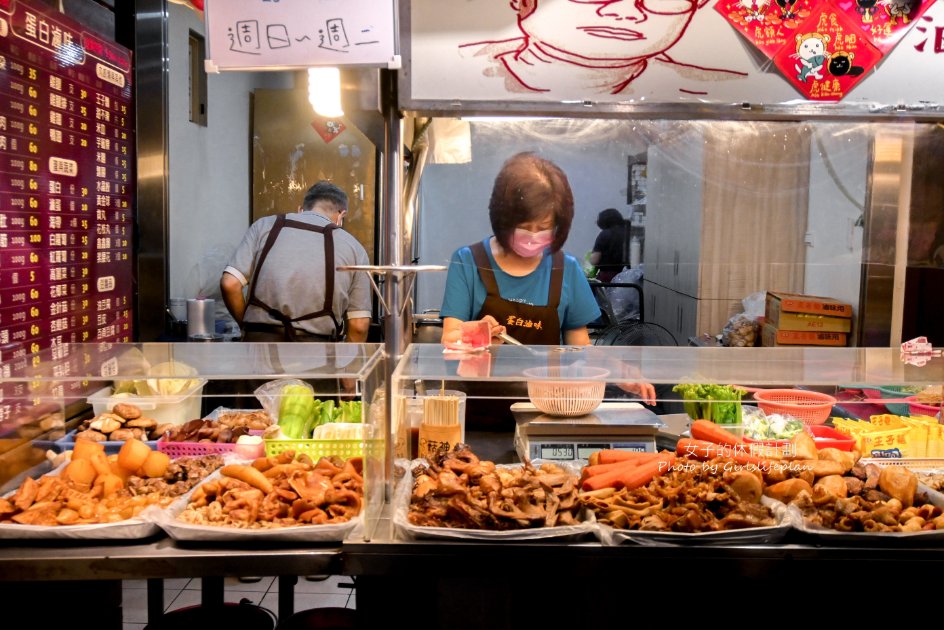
[
  {"x": 512, "y": 387},
  {"x": 46, "y": 395}
]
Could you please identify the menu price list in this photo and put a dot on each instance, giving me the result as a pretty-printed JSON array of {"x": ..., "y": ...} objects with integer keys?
[{"x": 66, "y": 196}]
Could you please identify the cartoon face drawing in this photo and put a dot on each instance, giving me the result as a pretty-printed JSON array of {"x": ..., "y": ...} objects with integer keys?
[
  {"x": 811, "y": 55},
  {"x": 786, "y": 9},
  {"x": 840, "y": 64},
  {"x": 866, "y": 9},
  {"x": 597, "y": 30},
  {"x": 899, "y": 9},
  {"x": 754, "y": 9}
]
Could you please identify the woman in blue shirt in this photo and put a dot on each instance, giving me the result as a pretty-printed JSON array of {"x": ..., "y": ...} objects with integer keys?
[{"x": 519, "y": 280}]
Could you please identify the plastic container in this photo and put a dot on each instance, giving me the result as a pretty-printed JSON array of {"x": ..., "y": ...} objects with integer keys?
[
  {"x": 195, "y": 449},
  {"x": 828, "y": 437},
  {"x": 561, "y": 390},
  {"x": 67, "y": 443},
  {"x": 823, "y": 436},
  {"x": 895, "y": 391},
  {"x": 176, "y": 409},
  {"x": 921, "y": 409},
  {"x": 810, "y": 407},
  {"x": 317, "y": 449}
]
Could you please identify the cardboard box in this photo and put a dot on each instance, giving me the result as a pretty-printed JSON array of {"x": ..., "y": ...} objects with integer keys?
[
  {"x": 808, "y": 322},
  {"x": 772, "y": 337},
  {"x": 812, "y": 304}
]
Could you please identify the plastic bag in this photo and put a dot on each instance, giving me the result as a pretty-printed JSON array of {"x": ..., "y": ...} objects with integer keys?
[
  {"x": 589, "y": 269},
  {"x": 624, "y": 301},
  {"x": 743, "y": 330},
  {"x": 270, "y": 394}
]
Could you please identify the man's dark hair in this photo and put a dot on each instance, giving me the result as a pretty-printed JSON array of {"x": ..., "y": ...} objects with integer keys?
[
  {"x": 611, "y": 217},
  {"x": 526, "y": 189},
  {"x": 325, "y": 191}
]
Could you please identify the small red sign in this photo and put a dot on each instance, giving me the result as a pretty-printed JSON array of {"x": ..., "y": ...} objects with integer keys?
[
  {"x": 768, "y": 24},
  {"x": 328, "y": 128},
  {"x": 885, "y": 22},
  {"x": 828, "y": 57}
]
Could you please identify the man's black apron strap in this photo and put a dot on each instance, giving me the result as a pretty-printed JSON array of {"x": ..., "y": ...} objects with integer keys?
[{"x": 327, "y": 308}]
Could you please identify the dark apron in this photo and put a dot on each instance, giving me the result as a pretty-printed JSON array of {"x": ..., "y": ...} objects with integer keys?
[
  {"x": 488, "y": 413},
  {"x": 286, "y": 328},
  {"x": 531, "y": 325}
]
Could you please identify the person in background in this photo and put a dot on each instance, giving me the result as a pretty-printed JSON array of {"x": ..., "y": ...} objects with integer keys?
[
  {"x": 518, "y": 279},
  {"x": 288, "y": 263},
  {"x": 609, "y": 248}
]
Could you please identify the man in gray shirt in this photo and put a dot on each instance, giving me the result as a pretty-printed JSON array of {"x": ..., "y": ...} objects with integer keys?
[{"x": 289, "y": 264}]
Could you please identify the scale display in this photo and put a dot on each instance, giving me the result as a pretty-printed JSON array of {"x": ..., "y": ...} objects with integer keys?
[
  {"x": 626, "y": 426},
  {"x": 66, "y": 190},
  {"x": 570, "y": 451}
]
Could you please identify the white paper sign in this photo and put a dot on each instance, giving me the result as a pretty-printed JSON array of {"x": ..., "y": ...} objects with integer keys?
[{"x": 281, "y": 34}]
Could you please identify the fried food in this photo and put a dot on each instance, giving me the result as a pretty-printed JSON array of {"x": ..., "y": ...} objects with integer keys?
[
  {"x": 60, "y": 500},
  {"x": 787, "y": 490},
  {"x": 330, "y": 491},
  {"x": 899, "y": 483},
  {"x": 692, "y": 497},
  {"x": 458, "y": 490}
]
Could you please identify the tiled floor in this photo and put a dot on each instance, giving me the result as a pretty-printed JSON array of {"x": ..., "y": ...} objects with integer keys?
[{"x": 186, "y": 592}]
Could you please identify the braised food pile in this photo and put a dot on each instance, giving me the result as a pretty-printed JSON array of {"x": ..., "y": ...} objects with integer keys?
[
  {"x": 124, "y": 422},
  {"x": 458, "y": 490},
  {"x": 95, "y": 488},
  {"x": 869, "y": 499},
  {"x": 693, "y": 497},
  {"x": 279, "y": 491},
  {"x": 205, "y": 431},
  {"x": 932, "y": 479}
]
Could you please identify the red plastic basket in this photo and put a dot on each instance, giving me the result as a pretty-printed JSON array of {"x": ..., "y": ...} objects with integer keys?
[
  {"x": 810, "y": 407},
  {"x": 823, "y": 437},
  {"x": 921, "y": 409}
]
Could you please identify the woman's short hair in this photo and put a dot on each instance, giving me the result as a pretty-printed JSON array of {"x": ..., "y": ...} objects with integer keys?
[
  {"x": 528, "y": 188},
  {"x": 611, "y": 217}
]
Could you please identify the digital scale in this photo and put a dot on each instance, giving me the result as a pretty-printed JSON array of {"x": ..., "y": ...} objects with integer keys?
[{"x": 621, "y": 426}]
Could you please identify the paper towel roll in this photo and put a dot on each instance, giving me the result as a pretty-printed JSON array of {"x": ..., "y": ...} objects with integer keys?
[{"x": 201, "y": 318}]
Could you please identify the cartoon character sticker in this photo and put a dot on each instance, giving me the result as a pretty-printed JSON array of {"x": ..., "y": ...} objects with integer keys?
[
  {"x": 829, "y": 56},
  {"x": 811, "y": 55},
  {"x": 885, "y": 22},
  {"x": 768, "y": 24}
]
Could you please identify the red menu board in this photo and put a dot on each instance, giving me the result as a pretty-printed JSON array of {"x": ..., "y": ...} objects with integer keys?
[{"x": 66, "y": 187}]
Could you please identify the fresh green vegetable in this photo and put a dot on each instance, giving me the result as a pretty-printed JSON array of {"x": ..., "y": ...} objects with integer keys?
[
  {"x": 300, "y": 414},
  {"x": 772, "y": 427},
  {"x": 718, "y": 403},
  {"x": 296, "y": 410},
  {"x": 350, "y": 411}
]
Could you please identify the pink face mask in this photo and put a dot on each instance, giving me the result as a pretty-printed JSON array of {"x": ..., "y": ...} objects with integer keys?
[{"x": 530, "y": 244}]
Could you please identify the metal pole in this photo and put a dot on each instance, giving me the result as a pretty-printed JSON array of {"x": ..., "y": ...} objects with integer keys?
[{"x": 392, "y": 255}]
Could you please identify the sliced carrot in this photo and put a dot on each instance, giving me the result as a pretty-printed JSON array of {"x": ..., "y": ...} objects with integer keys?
[
  {"x": 607, "y": 478},
  {"x": 590, "y": 471},
  {"x": 626, "y": 476},
  {"x": 611, "y": 456},
  {"x": 711, "y": 432},
  {"x": 644, "y": 473},
  {"x": 703, "y": 450}
]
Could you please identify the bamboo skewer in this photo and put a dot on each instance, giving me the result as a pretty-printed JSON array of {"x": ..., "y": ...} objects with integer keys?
[{"x": 441, "y": 411}]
